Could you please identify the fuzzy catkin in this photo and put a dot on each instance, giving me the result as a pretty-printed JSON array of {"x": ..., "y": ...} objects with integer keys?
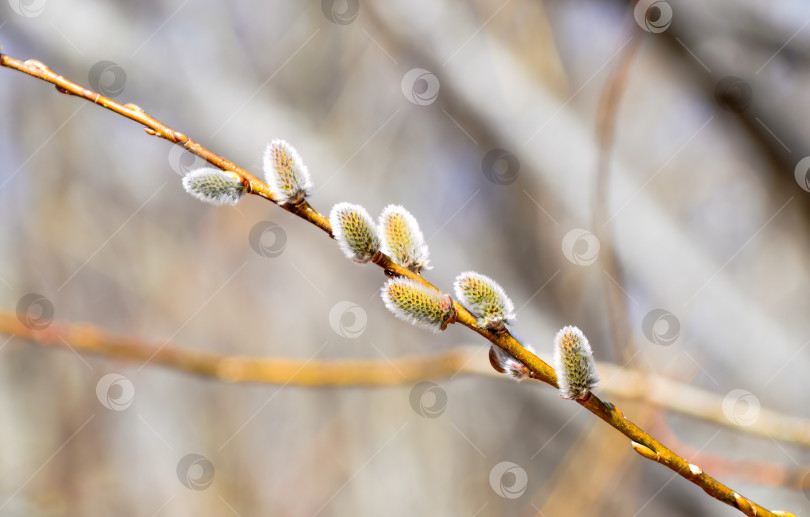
[
  {"x": 214, "y": 186},
  {"x": 286, "y": 174},
  {"x": 402, "y": 240},
  {"x": 485, "y": 299},
  {"x": 355, "y": 231},
  {"x": 574, "y": 364},
  {"x": 417, "y": 304},
  {"x": 503, "y": 362}
]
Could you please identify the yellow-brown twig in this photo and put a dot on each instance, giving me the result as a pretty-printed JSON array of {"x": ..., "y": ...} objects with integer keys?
[
  {"x": 540, "y": 370},
  {"x": 626, "y": 384}
]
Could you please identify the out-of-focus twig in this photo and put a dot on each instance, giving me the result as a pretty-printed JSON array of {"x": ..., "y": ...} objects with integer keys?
[
  {"x": 642, "y": 442},
  {"x": 705, "y": 405},
  {"x": 606, "y": 132},
  {"x": 754, "y": 472},
  {"x": 627, "y": 384}
]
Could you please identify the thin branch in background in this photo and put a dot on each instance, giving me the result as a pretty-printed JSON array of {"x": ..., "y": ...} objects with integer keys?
[
  {"x": 642, "y": 442},
  {"x": 627, "y": 384},
  {"x": 754, "y": 472},
  {"x": 608, "y": 110}
]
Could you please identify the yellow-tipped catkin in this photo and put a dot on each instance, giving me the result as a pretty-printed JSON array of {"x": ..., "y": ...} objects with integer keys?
[
  {"x": 485, "y": 299},
  {"x": 574, "y": 364},
  {"x": 355, "y": 231},
  {"x": 214, "y": 186},
  {"x": 502, "y": 361},
  {"x": 417, "y": 304},
  {"x": 285, "y": 172},
  {"x": 402, "y": 240}
]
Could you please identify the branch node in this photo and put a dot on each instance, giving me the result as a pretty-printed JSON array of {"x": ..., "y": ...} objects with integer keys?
[
  {"x": 451, "y": 318},
  {"x": 745, "y": 505},
  {"x": 379, "y": 259},
  {"x": 37, "y": 64},
  {"x": 614, "y": 408},
  {"x": 645, "y": 451}
]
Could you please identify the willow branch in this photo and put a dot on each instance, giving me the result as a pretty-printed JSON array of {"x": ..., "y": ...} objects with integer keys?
[
  {"x": 540, "y": 370},
  {"x": 748, "y": 471},
  {"x": 608, "y": 112},
  {"x": 627, "y": 384}
]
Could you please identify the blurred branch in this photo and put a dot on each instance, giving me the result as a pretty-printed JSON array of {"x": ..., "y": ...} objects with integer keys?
[
  {"x": 705, "y": 405},
  {"x": 624, "y": 383},
  {"x": 754, "y": 472},
  {"x": 87, "y": 339},
  {"x": 642, "y": 442},
  {"x": 619, "y": 314}
]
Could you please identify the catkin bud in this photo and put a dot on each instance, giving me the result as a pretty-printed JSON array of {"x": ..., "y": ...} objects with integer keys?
[
  {"x": 355, "y": 231},
  {"x": 214, "y": 186},
  {"x": 402, "y": 240},
  {"x": 573, "y": 362},
  {"x": 503, "y": 362},
  {"x": 285, "y": 172},
  {"x": 417, "y": 304},
  {"x": 485, "y": 299}
]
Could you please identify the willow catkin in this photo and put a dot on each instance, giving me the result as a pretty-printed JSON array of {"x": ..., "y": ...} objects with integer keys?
[
  {"x": 402, "y": 240},
  {"x": 214, "y": 186},
  {"x": 485, "y": 299},
  {"x": 286, "y": 174},
  {"x": 417, "y": 304},
  {"x": 574, "y": 364},
  {"x": 354, "y": 231}
]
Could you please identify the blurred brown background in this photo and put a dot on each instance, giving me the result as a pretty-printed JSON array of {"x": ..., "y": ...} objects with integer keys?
[{"x": 707, "y": 203}]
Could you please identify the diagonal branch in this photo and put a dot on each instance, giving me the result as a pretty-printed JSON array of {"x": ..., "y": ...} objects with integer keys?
[{"x": 643, "y": 443}]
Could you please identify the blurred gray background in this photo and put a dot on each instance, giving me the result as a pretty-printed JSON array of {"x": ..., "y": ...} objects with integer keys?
[{"x": 706, "y": 208}]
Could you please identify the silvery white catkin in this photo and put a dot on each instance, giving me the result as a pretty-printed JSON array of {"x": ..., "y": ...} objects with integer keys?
[
  {"x": 485, "y": 299},
  {"x": 417, "y": 304},
  {"x": 214, "y": 186},
  {"x": 285, "y": 172},
  {"x": 354, "y": 231},
  {"x": 574, "y": 364},
  {"x": 402, "y": 240}
]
